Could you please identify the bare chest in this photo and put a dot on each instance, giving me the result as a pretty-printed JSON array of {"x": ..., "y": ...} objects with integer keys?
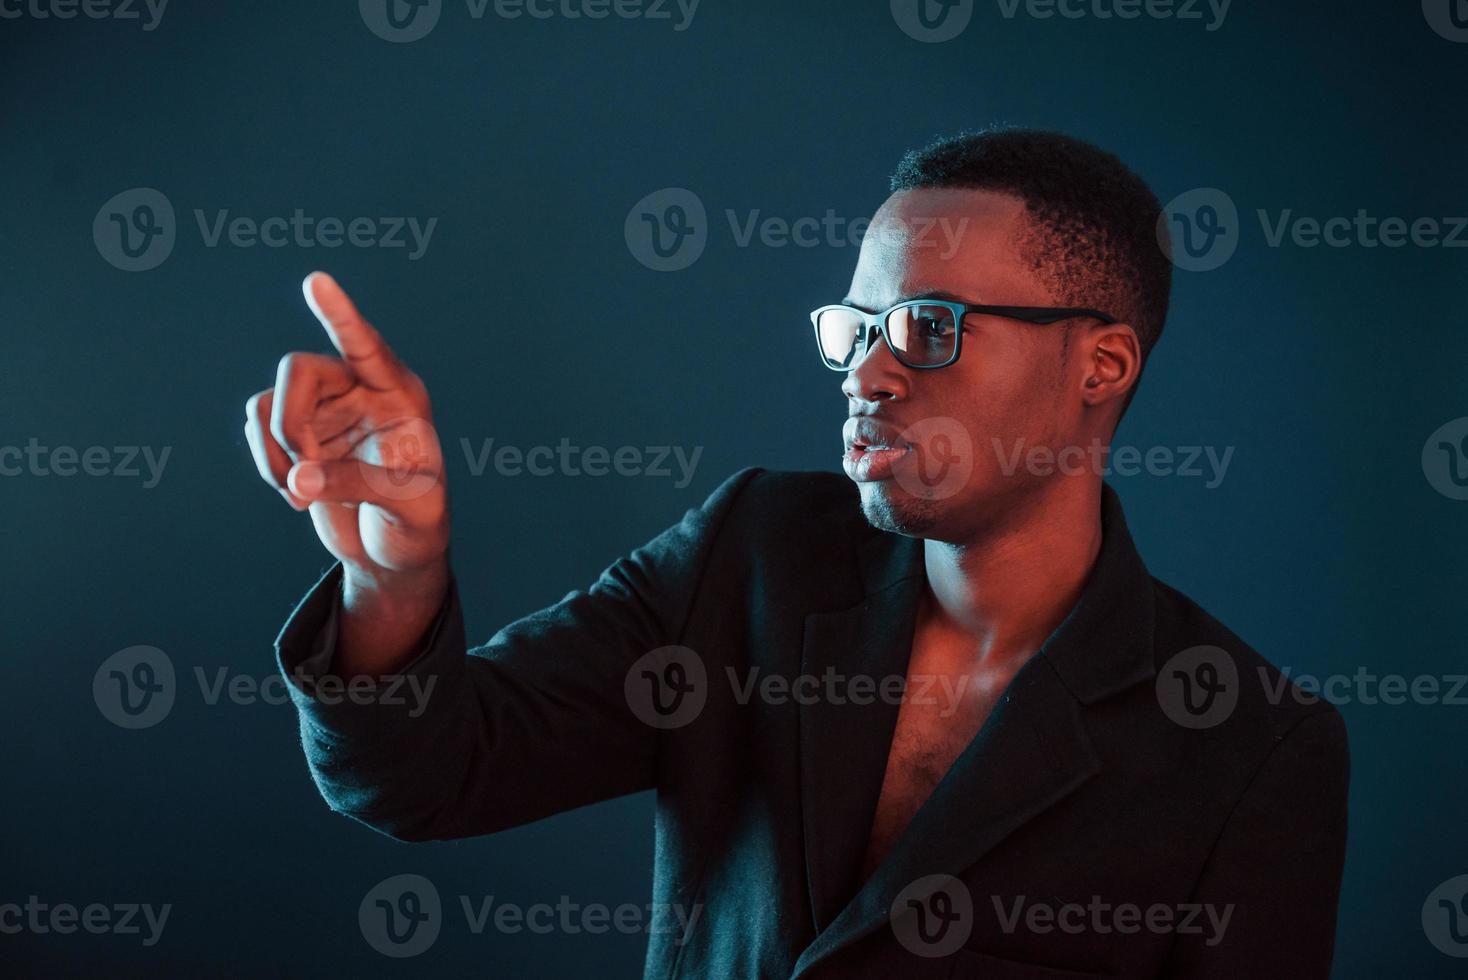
[{"x": 945, "y": 704}]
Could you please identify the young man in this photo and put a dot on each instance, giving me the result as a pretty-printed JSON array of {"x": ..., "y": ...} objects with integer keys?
[{"x": 995, "y": 746}]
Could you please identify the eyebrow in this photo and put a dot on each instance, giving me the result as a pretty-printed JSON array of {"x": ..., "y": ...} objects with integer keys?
[{"x": 924, "y": 294}]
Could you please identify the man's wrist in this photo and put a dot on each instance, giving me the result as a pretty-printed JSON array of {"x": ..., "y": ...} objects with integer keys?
[
  {"x": 380, "y": 586},
  {"x": 385, "y": 617}
]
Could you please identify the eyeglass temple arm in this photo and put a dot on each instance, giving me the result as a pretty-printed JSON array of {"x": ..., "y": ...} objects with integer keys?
[{"x": 1040, "y": 314}]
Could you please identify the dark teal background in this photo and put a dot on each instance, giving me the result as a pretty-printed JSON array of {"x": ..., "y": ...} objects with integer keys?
[{"x": 1326, "y": 369}]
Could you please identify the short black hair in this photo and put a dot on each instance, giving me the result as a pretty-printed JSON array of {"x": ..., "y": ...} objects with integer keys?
[{"x": 1095, "y": 234}]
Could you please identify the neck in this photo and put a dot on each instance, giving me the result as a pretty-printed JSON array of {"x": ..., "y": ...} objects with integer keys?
[{"x": 1006, "y": 590}]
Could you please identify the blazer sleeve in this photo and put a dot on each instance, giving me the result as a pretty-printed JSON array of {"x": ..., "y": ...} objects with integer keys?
[
  {"x": 1275, "y": 871},
  {"x": 534, "y": 722}
]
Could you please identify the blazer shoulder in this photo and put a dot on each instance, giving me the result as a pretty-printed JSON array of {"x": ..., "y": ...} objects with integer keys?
[
  {"x": 785, "y": 501},
  {"x": 1270, "y": 705}
]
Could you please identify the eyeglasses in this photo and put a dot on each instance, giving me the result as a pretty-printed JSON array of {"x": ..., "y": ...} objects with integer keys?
[{"x": 921, "y": 333}]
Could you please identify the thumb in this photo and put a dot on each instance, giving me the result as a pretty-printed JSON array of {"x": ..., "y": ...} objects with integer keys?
[{"x": 352, "y": 481}]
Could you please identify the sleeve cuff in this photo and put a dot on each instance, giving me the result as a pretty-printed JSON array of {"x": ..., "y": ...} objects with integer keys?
[{"x": 360, "y": 706}]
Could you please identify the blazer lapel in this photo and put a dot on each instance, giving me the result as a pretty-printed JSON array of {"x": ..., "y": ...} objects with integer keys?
[{"x": 1032, "y": 752}]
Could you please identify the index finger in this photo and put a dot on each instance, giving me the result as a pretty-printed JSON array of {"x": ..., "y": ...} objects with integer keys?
[{"x": 361, "y": 346}]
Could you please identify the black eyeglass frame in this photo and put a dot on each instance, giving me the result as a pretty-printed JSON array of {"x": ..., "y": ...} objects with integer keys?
[{"x": 876, "y": 323}]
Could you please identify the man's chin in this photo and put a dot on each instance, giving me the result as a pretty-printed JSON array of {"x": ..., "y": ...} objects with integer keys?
[{"x": 888, "y": 507}]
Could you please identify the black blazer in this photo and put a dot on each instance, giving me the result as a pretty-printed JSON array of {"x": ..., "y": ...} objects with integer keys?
[{"x": 1088, "y": 830}]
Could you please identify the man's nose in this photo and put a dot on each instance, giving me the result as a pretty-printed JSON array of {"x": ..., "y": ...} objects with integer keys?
[{"x": 877, "y": 376}]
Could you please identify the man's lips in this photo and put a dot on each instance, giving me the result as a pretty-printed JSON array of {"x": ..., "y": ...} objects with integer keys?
[
  {"x": 873, "y": 447},
  {"x": 865, "y": 432}
]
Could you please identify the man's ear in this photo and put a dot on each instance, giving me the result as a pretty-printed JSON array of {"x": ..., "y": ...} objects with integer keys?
[{"x": 1112, "y": 362}]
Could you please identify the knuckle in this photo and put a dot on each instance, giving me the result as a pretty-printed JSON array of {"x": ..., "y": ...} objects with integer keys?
[
  {"x": 253, "y": 405},
  {"x": 292, "y": 364}
]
